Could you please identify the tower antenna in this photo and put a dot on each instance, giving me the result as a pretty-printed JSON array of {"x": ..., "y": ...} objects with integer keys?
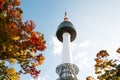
[{"x": 65, "y": 17}]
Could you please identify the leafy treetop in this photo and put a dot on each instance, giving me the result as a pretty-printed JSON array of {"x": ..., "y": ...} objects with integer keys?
[
  {"x": 106, "y": 68},
  {"x": 19, "y": 42}
]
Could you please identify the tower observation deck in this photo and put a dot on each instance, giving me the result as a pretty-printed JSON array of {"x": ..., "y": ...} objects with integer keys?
[{"x": 66, "y": 33}]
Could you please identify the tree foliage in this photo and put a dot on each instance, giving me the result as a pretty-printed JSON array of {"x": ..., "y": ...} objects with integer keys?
[
  {"x": 89, "y": 78},
  {"x": 106, "y": 68},
  {"x": 19, "y": 43}
]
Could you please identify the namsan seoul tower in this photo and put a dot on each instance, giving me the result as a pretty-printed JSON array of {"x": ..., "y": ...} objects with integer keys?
[{"x": 66, "y": 33}]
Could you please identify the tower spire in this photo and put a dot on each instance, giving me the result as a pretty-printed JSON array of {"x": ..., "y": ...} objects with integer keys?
[{"x": 65, "y": 17}]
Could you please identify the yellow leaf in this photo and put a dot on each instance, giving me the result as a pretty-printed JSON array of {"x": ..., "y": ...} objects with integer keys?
[
  {"x": 17, "y": 54},
  {"x": 12, "y": 60},
  {"x": 16, "y": 38},
  {"x": 10, "y": 47},
  {"x": 42, "y": 58}
]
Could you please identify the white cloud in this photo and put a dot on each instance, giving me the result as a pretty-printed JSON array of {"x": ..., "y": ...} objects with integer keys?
[
  {"x": 82, "y": 59},
  {"x": 84, "y": 44},
  {"x": 74, "y": 46},
  {"x": 57, "y": 46},
  {"x": 80, "y": 55}
]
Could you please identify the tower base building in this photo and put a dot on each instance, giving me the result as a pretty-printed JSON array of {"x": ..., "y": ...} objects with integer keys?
[{"x": 67, "y": 71}]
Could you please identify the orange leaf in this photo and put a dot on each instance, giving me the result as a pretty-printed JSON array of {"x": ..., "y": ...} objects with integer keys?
[{"x": 1, "y": 3}]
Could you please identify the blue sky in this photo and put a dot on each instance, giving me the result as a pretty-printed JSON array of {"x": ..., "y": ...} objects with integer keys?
[{"x": 97, "y": 23}]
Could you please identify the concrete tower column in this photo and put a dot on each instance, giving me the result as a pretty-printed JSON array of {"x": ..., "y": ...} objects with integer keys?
[{"x": 66, "y": 54}]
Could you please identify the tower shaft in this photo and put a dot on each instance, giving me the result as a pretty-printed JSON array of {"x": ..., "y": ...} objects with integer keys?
[{"x": 66, "y": 54}]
